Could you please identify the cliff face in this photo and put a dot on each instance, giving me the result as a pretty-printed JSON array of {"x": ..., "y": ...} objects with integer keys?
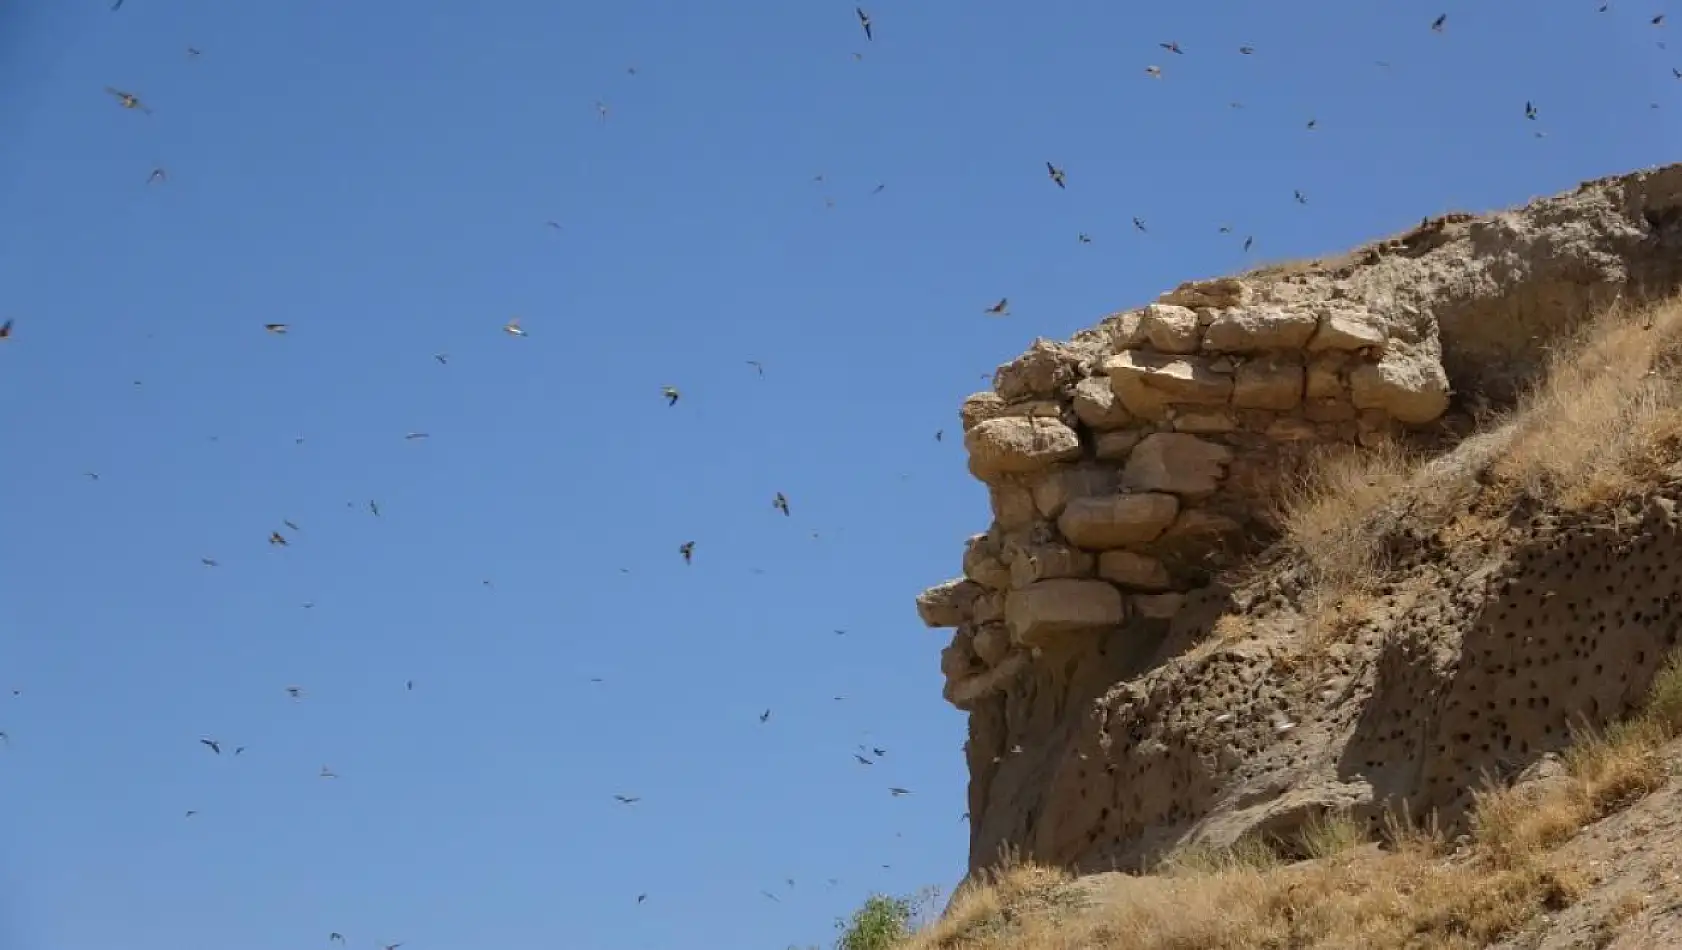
[{"x": 1132, "y": 472}]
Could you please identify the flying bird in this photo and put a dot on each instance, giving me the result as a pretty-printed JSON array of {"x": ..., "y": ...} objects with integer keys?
[
  {"x": 374, "y": 507},
  {"x": 627, "y": 799},
  {"x": 294, "y": 691},
  {"x": 687, "y": 549},
  {"x": 336, "y": 936},
  {"x": 864, "y": 21},
  {"x": 158, "y": 174},
  {"x": 418, "y": 435},
  {"x": 328, "y": 773},
  {"x": 1084, "y": 238},
  {"x": 442, "y": 358},
  {"x": 1530, "y": 110},
  {"x": 1249, "y": 241},
  {"x": 513, "y": 328},
  {"x": 275, "y": 537},
  {"x": 759, "y": 367},
  {"x": 6, "y": 330},
  {"x": 1055, "y": 173},
  {"x": 287, "y": 522},
  {"x": 193, "y": 52},
  {"x": 671, "y": 394},
  {"x": 1155, "y": 72},
  {"x": 208, "y": 562},
  {"x": 128, "y": 100},
  {"x": 1172, "y": 46},
  {"x": 1437, "y": 24},
  {"x": 1246, "y": 50},
  {"x": 1138, "y": 223},
  {"x": 780, "y": 503},
  {"x": 897, "y": 792},
  {"x": 215, "y": 746},
  {"x": 277, "y": 329},
  {"x": 765, "y": 716},
  {"x": 1001, "y": 308},
  {"x": 1658, "y": 20},
  {"x": 862, "y": 759},
  {"x": 1298, "y": 195}
]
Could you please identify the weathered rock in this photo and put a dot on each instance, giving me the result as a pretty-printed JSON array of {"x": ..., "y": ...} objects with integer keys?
[
  {"x": 1012, "y": 502},
  {"x": 1176, "y": 462},
  {"x": 1171, "y": 329},
  {"x": 1147, "y": 383},
  {"x": 991, "y": 643},
  {"x": 1409, "y": 387},
  {"x": 1016, "y": 445},
  {"x": 1114, "y": 446},
  {"x": 1049, "y": 609},
  {"x": 1158, "y": 606},
  {"x": 1132, "y": 570},
  {"x": 948, "y": 604},
  {"x": 1046, "y": 561},
  {"x": 1096, "y": 405},
  {"x": 1325, "y": 377},
  {"x": 1344, "y": 330},
  {"x": 1268, "y": 383},
  {"x": 1201, "y": 421},
  {"x": 1220, "y": 292},
  {"x": 1044, "y": 371},
  {"x": 958, "y": 659},
  {"x": 983, "y": 564},
  {"x": 979, "y": 407},
  {"x": 989, "y": 607},
  {"x": 1117, "y": 521},
  {"x": 1253, "y": 330},
  {"x": 1053, "y": 490},
  {"x": 1196, "y": 534}
]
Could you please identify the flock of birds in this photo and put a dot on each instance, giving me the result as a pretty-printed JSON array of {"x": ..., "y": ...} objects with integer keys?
[{"x": 864, "y": 755}]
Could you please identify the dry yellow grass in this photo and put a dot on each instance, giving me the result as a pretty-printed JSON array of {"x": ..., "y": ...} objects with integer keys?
[
  {"x": 1411, "y": 895},
  {"x": 1603, "y": 424}
]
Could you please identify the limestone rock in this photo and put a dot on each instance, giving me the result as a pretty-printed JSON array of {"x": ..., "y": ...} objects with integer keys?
[
  {"x": 1117, "y": 521},
  {"x": 1410, "y": 387},
  {"x": 980, "y": 407},
  {"x": 1343, "y": 330},
  {"x": 1012, "y": 502},
  {"x": 1114, "y": 446},
  {"x": 983, "y": 563},
  {"x": 1273, "y": 383},
  {"x": 1097, "y": 407},
  {"x": 1158, "y": 606},
  {"x": 1046, "y": 561},
  {"x": 1148, "y": 383},
  {"x": 1044, "y": 371},
  {"x": 1254, "y": 330},
  {"x": 1041, "y": 612},
  {"x": 1014, "y": 445},
  {"x": 991, "y": 643},
  {"x": 1170, "y": 329},
  {"x": 1132, "y": 570},
  {"x": 1176, "y": 462},
  {"x": 1220, "y": 292},
  {"x": 1196, "y": 533},
  {"x": 1325, "y": 377},
  {"x": 948, "y": 604},
  {"x": 1053, "y": 490},
  {"x": 958, "y": 659}
]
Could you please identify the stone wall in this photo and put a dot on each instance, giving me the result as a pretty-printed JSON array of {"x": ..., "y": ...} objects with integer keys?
[{"x": 1116, "y": 462}]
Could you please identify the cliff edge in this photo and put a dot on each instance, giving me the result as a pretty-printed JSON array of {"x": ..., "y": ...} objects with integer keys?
[{"x": 1295, "y": 542}]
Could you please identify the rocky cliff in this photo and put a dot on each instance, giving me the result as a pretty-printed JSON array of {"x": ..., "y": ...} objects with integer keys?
[{"x": 1144, "y": 663}]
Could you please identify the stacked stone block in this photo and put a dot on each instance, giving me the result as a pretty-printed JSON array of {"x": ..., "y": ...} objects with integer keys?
[{"x": 1108, "y": 458}]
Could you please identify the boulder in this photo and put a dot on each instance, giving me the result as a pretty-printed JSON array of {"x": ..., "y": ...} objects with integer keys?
[
  {"x": 1410, "y": 387},
  {"x": 1170, "y": 329},
  {"x": 1147, "y": 383},
  {"x": 1132, "y": 570},
  {"x": 1273, "y": 383},
  {"x": 1096, "y": 405}
]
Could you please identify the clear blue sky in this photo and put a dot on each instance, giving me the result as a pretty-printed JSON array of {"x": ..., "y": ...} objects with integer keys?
[{"x": 378, "y": 176}]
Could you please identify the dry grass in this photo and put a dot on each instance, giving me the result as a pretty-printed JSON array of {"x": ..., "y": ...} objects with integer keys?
[
  {"x": 1411, "y": 896},
  {"x": 1602, "y": 425},
  {"x": 1606, "y": 421}
]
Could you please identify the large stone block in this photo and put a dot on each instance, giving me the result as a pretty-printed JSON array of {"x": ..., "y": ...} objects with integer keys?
[
  {"x": 1040, "y": 612},
  {"x": 1016, "y": 445},
  {"x": 1117, "y": 521},
  {"x": 948, "y": 604},
  {"x": 1147, "y": 383},
  {"x": 1176, "y": 462},
  {"x": 1170, "y": 329},
  {"x": 1096, "y": 405},
  {"x": 1254, "y": 330}
]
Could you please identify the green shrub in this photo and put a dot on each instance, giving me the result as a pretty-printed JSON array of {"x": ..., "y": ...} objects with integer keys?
[{"x": 880, "y": 923}]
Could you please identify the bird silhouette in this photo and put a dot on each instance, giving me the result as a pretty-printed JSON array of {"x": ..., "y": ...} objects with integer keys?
[
  {"x": 864, "y": 21},
  {"x": 780, "y": 502},
  {"x": 215, "y": 746},
  {"x": 1056, "y": 174},
  {"x": 1000, "y": 309},
  {"x": 687, "y": 549}
]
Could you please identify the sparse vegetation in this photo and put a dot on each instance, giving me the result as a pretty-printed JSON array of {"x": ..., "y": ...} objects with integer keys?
[
  {"x": 1416, "y": 892},
  {"x": 1604, "y": 426}
]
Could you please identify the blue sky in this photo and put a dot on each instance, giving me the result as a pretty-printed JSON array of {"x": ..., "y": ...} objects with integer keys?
[{"x": 379, "y": 177}]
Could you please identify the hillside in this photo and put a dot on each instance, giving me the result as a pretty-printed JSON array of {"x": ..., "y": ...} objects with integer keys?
[{"x": 1334, "y": 550}]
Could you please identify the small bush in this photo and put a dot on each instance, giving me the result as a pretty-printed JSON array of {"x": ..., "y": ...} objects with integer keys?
[{"x": 878, "y": 924}]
